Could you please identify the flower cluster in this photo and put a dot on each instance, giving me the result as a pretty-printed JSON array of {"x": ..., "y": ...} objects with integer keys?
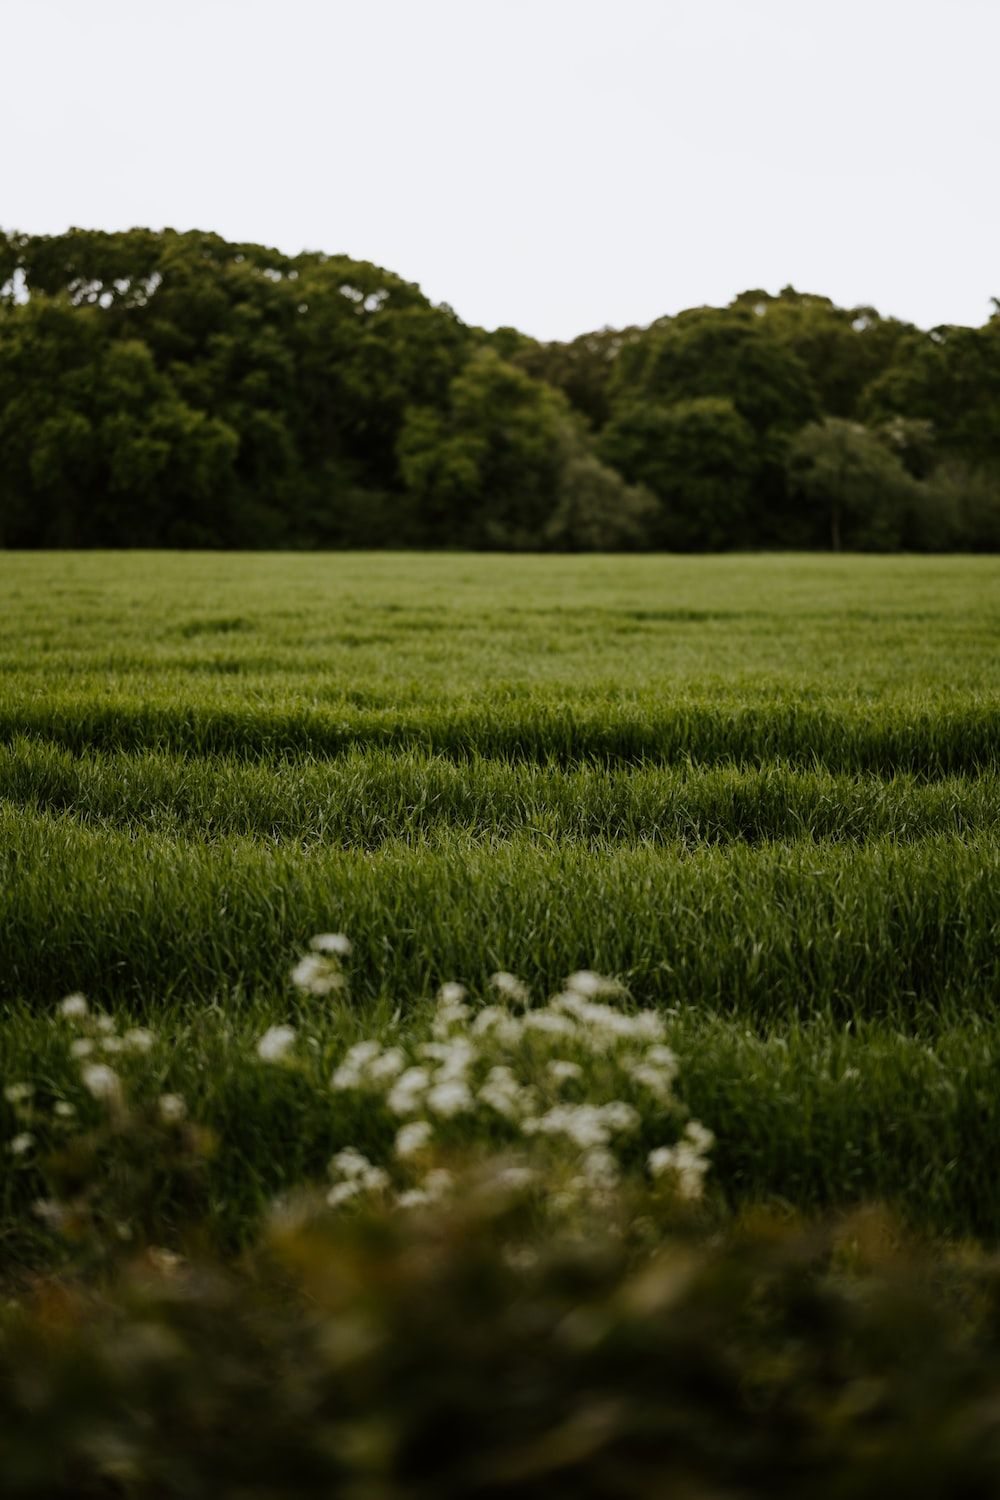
[
  {"x": 568, "y": 1103},
  {"x": 572, "y": 1087},
  {"x": 93, "y": 1038},
  {"x": 320, "y": 971}
]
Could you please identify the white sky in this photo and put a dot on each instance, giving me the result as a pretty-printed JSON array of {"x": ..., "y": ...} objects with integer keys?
[{"x": 553, "y": 164}]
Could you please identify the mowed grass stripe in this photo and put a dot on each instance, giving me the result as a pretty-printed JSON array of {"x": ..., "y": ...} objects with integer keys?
[
  {"x": 364, "y": 798},
  {"x": 909, "y": 932},
  {"x": 818, "y": 1115},
  {"x": 882, "y": 739}
]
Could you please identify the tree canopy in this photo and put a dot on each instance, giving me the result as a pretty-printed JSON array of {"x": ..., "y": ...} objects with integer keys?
[{"x": 174, "y": 389}]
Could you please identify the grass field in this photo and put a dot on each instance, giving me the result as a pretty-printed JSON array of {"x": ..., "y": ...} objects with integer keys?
[{"x": 763, "y": 791}]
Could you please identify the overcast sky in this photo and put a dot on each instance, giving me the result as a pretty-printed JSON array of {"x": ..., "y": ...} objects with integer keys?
[{"x": 553, "y": 164}]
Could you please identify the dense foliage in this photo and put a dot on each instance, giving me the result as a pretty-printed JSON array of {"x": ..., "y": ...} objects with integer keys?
[
  {"x": 439, "y": 1359},
  {"x": 173, "y": 389}
]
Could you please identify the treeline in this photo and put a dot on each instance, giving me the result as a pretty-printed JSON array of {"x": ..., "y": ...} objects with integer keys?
[{"x": 167, "y": 389}]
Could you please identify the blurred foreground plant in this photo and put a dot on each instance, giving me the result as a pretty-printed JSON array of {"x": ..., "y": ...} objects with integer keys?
[
  {"x": 522, "y": 1295},
  {"x": 445, "y": 1353}
]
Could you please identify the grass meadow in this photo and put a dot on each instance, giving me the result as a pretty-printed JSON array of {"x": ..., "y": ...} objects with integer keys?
[
  {"x": 760, "y": 791},
  {"x": 499, "y": 1026}
]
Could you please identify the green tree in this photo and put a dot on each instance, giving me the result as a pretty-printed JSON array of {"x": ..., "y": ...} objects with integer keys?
[
  {"x": 961, "y": 508},
  {"x": 699, "y": 458},
  {"x": 949, "y": 377},
  {"x": 582, "y": 369},
  {"x": 853, "y": 482},
  {"x": 99, "y": 448},
  {"x": 160, "y": 388},
  {"x": 596, "y": 511},
  {"x": 843, "y": 349},
  {"x": 485, "y": 471},
  {"x": 728, "y": 355}
]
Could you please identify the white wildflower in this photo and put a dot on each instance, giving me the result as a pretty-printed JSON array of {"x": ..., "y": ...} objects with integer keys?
[
  {"x": 549, "y": 1021},
  {"x": 662, "y": 1057},
  {"x": 699, "y": 1135},
  {"x": 454, "y": 1057},
  {"x": 451, "y": 1097},
  {"x": 487, "y": 1018},
  {"x": 493, "y": 1019},
  {"x": 588, "y": 984},
  {"x": 275, "y": 1043},
  {"x": 308, "y": 968},
  {"x": 18, "y": 1093},
  {"x": 342, "y": 1191},
  {"x": 586, "y": 1125},
  {"x": 560, "y": 1070},
  {"x": 407, "y": 1092},
  {"x": 73, "y": 1007},
  {"x": 103, "y": 1082},
  {"x": 413, "y": 1137},
  {"x": 337, "y": 943},
  {"x": 389, "y": 1064},
  {"x": 583, "y": 1124},
  {"x": 685, "y": 1160},
  {"x": 362, "y": 1053},
  {"x": 64, "y": 1109},
  {"x": 345, "y": 1078},
  {"x": 660, "y": 1160},
  {"x": 600, "y": 1167},
  {"x": 452, "y": 993},
  {"x": 20, "y": 1144},
  {"x": 655, "y": 1070},
  {"x": 691, "y": 1168},
  {"x": 658, "y": 1081},
  {"x": 81, "y": 1046},
  {"x": 316, "y": 975},
  {"x": 602, "y": 1024},
  {"x": 571, "y": 1002},
  {"x": 413, "y": 1198},
  {"x": 365, "y": 1065},
  {"x": 104, "y": 1023},
  {"x": 349, "y": 1163},
  {"x": 510, "y": 987},
  {"x": 502, "y": 1092},
  {"x": 348, "y": 1075},
  {"x": 447, "y": 1017},
  {"x": 648, "y": 1025},
  {"x": 172, "y": 1108},
  {"x": 620, "y": 1116},
  {"x": 111, "y": 1044},
  {"x": 139, "y": 1039},
  {"x": 354, "y": 1169}
]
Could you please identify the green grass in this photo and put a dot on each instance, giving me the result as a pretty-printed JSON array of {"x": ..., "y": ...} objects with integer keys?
[
  {"x": 764, "y": 790},
  {"x": 771, "y": 933},
  {"x": 362, "y": 798}
]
